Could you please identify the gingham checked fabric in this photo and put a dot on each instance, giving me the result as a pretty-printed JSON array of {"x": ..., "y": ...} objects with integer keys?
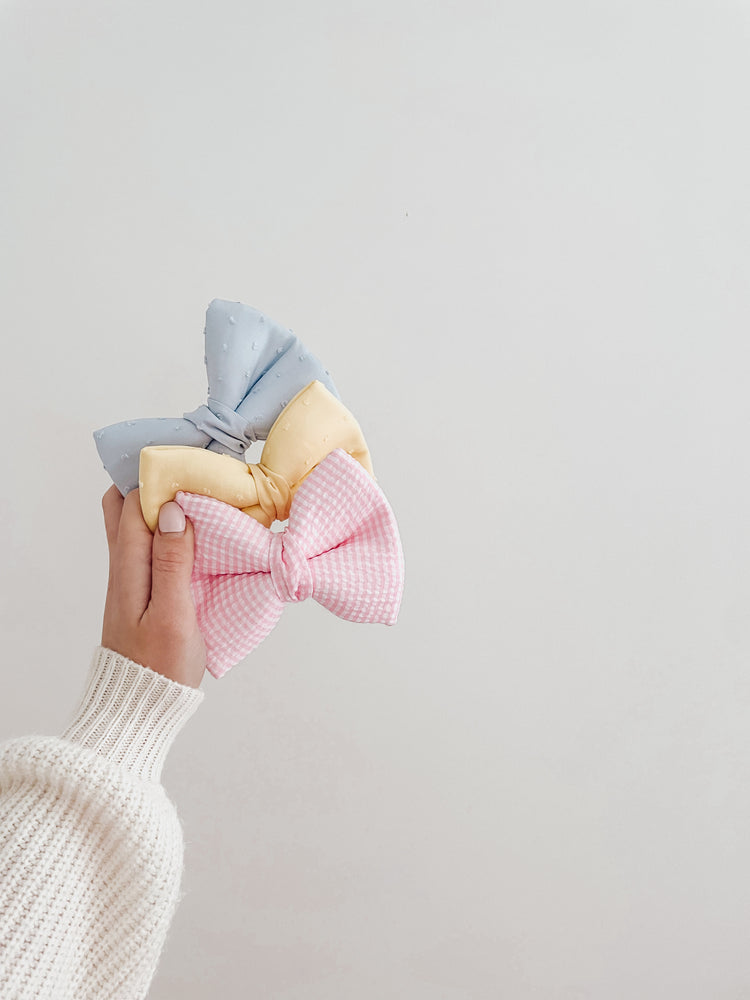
[{"x": 340, "y": 547}]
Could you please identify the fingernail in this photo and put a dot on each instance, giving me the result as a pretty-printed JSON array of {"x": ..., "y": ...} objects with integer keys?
[{"x": 171, "y": 518}]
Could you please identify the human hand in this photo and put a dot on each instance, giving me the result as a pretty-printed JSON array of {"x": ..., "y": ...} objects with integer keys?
[{"x": 149, "y": 615}]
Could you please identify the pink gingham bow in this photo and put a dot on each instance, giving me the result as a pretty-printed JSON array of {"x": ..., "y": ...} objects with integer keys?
[{"x": 341, "y": 547}]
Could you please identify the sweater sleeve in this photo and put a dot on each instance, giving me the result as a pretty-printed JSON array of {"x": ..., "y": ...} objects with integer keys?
[{"x": 90, "y": 846}]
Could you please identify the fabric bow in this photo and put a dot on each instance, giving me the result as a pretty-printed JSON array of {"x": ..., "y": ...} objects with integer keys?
[
  {"x": 254, "y": 368},
  {"x": 309, "y": 427},
  {"x": 341, "y": 547}
]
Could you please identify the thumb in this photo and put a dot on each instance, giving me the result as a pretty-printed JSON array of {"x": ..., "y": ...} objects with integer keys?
[{"x": 172, "y": 563}]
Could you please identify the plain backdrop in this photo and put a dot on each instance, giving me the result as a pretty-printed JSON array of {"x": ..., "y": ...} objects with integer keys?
[{"x": 517, "y": 232}]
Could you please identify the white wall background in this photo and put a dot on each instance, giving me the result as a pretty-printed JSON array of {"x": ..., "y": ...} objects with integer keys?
[{"x": 518, "y": 234}]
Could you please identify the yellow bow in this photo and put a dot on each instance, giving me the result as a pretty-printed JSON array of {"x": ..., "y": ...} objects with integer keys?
[{"x": 310, "y": 426}]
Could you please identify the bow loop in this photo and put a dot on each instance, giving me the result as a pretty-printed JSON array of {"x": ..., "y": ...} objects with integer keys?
[{"x": 254, "y": 366}]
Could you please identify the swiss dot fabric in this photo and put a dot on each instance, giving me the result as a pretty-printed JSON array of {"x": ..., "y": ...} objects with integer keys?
[
  {"x": 254, "y": 367},
  {"x": 341, "y": 547}
]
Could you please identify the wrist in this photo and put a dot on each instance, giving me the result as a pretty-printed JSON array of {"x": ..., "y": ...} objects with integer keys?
[{"x": 130, "y": 714}]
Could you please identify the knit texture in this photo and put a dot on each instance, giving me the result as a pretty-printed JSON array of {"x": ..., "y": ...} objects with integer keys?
[{"x": 90, "y": 846}]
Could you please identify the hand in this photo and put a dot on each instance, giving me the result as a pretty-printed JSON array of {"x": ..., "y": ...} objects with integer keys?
[{"x": 149, "y": 615}]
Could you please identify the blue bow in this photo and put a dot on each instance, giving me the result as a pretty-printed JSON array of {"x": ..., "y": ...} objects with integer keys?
[{"x": 254, "y": 368}]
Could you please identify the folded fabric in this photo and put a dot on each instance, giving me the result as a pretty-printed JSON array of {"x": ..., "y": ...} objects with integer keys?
[
  {"x": 309, "y": 427},
  {"x": 254, "y": 368},
  {"x": 341, "y": 547}
]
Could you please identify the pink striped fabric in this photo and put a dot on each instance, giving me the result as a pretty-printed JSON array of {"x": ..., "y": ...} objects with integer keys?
[{"x": 340, "y": 547}]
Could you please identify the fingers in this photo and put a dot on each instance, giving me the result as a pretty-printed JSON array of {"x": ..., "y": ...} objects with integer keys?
[
  {"x": 133, "y": 558},
  {"x": 172, "y": 567},
  {"x": 112, "y": 502}
]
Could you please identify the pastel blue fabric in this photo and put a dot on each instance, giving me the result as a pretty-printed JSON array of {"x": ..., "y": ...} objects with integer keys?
[{"x": 255, "y": 367}]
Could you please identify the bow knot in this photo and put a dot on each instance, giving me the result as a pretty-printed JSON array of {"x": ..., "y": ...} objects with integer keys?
[
  {"x": 223, "y": 425},
  {"x": 291, "y": 574},
  {"x": 274, "y": 494}
]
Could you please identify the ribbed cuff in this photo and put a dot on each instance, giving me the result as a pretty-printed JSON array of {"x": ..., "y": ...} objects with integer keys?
[{"x": 130, "y": 714}]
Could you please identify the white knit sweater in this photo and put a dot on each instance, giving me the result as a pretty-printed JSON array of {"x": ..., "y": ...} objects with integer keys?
[{"x": 90, "y": 845}]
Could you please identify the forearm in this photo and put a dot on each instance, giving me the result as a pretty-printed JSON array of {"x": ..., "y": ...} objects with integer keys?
[{"x": 90, "y": 845}]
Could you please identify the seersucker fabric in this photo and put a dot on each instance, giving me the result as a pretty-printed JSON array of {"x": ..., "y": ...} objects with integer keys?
[
  {"x": 91, "y": 849},
  {"x": 341, "y": 547},
  {"x": 254, "y": 367}
]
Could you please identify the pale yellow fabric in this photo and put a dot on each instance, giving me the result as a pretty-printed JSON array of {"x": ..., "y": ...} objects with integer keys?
[{"x": 310, "y": 426}]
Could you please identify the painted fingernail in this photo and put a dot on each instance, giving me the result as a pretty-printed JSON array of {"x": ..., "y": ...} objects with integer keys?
[{"x": 171, "y": 518}]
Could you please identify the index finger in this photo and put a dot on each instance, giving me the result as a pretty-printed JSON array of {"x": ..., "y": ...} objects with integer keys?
[
  {"x": 132, "y": 557},
  {"x": 112, "y": 503}
]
